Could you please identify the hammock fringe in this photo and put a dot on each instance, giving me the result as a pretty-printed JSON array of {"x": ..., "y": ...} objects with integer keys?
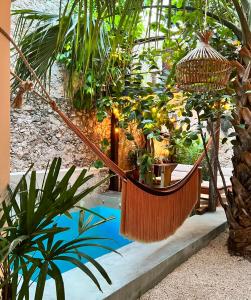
[{"x": 147, "y": 219}]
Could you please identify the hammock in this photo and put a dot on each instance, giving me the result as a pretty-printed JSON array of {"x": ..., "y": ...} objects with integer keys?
[{"x": 147, "y": 214}]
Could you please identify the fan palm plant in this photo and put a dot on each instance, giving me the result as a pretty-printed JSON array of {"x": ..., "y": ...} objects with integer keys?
[{"x": 29, "y": 247}]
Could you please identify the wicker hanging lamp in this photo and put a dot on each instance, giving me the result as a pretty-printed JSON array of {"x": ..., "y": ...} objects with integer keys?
[{"x": 203, "y": 69}]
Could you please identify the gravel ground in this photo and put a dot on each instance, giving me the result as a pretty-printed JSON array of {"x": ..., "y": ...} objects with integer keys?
[{"x": 210, "y": 274}]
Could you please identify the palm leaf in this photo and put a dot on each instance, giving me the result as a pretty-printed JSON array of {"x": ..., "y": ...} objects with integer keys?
[
  {"x": 83, "y": 25},
  {"x": 56, "y": 275},
  {"x": 27, "y": 275},
  {"x": 41, "y": 281},
  {"x": 96, "y": 265},
  {"x": 81, "y": 266},
  {"x": 31, "y": 201}
]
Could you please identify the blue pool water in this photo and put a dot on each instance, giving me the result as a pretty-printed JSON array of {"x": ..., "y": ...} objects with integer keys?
[{"x": 110, "y": 229}]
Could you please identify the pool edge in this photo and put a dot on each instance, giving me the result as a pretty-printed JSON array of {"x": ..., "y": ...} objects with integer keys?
[{"x": 142, "y": 266}]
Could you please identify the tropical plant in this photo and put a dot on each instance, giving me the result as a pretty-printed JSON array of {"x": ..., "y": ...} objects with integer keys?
[
  {"x": 30, "y": 248},
  {"x": 234, "y": 19},
  {"x": 150, "y": 107},
  {"x": 93, "y": 39}
]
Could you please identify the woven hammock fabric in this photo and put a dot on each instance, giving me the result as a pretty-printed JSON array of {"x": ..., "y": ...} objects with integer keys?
[
  {"x": 149, "y": 217},
  {"x": 203, "y": 69}
]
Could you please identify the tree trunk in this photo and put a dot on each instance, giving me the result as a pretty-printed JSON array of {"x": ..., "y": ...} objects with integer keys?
[
  {"x": 239, "y": 242},
  {"x": 114, "y": 181},
  {"x": 239, "y": 199},
  {"x": 238, "y": 210},
  {"x": 214, "y": 153}
]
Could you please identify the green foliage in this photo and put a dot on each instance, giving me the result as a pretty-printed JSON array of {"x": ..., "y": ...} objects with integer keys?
[
  {"x": 93, "y": 39},
  {"x": 209, "y": 107},
  {"x": 98, "y": 164},
  {"x": 188, "y": 154},
  {"x": 149, "y": 106},
  {"x": 145, "y": 161},
  {"x": 28, "y": 227},
  {"x": 180, "y": 22}
]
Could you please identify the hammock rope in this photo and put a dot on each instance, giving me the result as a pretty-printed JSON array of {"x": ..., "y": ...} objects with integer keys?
[{"x": 146, "y": 214}]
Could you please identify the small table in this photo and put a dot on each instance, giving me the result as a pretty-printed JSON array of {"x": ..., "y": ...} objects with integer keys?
[{"x": 165, "y": 172}]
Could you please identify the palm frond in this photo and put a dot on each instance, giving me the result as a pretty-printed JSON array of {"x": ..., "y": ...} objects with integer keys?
[{"x": 28, "y": 243}]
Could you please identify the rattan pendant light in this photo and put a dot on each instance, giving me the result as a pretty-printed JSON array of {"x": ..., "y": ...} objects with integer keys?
[{"x": 203, "y": 69}]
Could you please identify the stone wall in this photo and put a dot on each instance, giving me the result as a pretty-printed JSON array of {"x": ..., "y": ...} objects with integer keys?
[{"x": 37, "y": 134}]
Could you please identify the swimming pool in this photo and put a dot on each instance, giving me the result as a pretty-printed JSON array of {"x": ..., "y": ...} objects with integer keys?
[{"x": 110, "y": 229}]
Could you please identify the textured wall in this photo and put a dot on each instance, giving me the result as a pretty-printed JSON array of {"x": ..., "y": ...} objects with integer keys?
[{"x": 37, "y": 135}]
